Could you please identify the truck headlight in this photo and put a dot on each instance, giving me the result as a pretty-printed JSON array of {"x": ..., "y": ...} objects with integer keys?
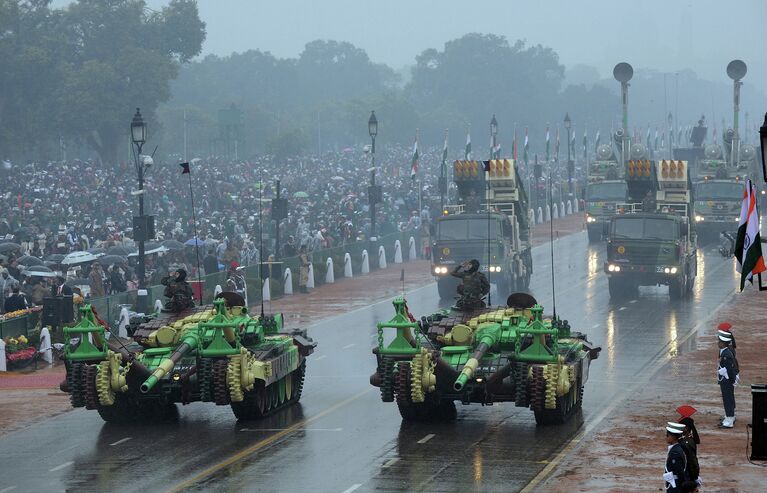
[
  {"x": 673, "y": 270},
  {"x": 614, "y": 268},
  {"x": 699, "y": 218},
  {"x": 440, "y": 270},
  {"x": 590, "y": 219}
]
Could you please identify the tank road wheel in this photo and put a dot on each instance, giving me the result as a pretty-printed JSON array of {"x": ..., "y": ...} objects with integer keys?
[
  {"x": 288, "y": 387},
  {"x": 567, "y": 405},
  {"x": 521, "y": 398},
  {"x": 252, "y": 405},
  {"x": 281, "y": 391}
]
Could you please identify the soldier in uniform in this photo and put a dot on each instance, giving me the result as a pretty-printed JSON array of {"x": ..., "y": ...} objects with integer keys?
[
  {"x": 675, "y": 471},
  {"x": 303, "y": 269},
  {"x": 474, "y": 286},
  {"x": 727, "y": 374},
  {"x": 178, "y": 291},
  {"x": 689, "y": 442}
]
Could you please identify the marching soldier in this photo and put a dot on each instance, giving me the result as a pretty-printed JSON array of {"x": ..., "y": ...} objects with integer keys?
[
  {"x": 475, "y": 285},
  {"x": 728, "y": 377}
]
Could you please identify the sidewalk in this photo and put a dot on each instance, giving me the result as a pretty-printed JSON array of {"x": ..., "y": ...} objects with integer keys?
[{"x": 628, "y": 451}]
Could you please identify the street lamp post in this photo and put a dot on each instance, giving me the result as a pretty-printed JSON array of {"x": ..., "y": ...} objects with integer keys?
[
  {"x": 493, "y": 134},
  {"x": 570, "y": 164},
  {"x": 373, "y": 193},
  {"x": 142, "y": 228},
  {"x": 763, "y": 142}
]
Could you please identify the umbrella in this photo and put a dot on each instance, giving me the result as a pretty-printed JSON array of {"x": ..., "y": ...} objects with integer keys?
[
  {"x": 97, "y": 251},
  {"x": 112, "y": 259},
  {"x": 38, "y": 271},
  {"x": 3, "y": 258},
  {"x": 54, "y": 257},
  {"x": 149, "y": 248},
  {"x": 173, "y": 245},
  {"x": 78, "y": 258},
  {"x": 119, "y": 250},
  {"x": 28, "y": 260},
  {"x": 194, "y": 242},
  {"x": 9, "y": 246},
  {"x": 301, "y": 195}
]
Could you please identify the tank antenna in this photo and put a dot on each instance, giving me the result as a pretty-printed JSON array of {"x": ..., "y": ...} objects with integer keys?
[
  {"x": 487, "y": 204},
  {"x": 551, "y": 243},
  {"x": 261, "y": 239}
]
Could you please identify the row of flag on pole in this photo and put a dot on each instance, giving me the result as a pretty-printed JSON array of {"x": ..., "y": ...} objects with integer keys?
[{"x": 748, "y": 242}]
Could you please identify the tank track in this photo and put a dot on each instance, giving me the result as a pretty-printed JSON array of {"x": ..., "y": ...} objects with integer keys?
[
  {"x": 220, "y": 387},
  {"x": 89, "y": 384},
  {"x": 520, "y": 385},
  {"x": 386, "y": 371},
  {"x": 419, "y": 411},
  {"x": 250, "y": 408},
  {"x": 75, "y": 384},
  {"x": 537, "y": 389},
  {"x": 403, "y": 383},
  {"x": 205, "y": 374}
]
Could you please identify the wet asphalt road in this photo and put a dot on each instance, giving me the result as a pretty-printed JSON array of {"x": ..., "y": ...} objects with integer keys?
[{"x": 341, "y": 438}]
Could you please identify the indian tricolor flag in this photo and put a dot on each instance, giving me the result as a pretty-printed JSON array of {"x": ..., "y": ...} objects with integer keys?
[
  {"x": 748, "y": 245},
  {"x": 414, "y": 162},
  {"x": 467, "y": 151},
  {"x": 525, "y": 148},
  {"x": 548, "y": 144}
]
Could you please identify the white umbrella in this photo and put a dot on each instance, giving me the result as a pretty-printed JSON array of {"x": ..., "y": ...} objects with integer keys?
[{"x": 78, "y": 258}]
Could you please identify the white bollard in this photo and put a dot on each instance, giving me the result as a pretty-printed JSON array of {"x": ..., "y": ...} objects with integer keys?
[
  {"x": 157, "y": 306},
  {"x": 266, "y": 292},
  {"x": 531, "y": 217},
  {"x": 348, "y": 265},
  {"x": 540, "y": 216},
  {"x": 122, "y": 326},
  {"x": 330, "y": 276},
  {"x": 2, "y": 356},
  {"x": 412, "y": 253},
  {"x": 365, "y": 269},
  {"x": 46, "y": 349},
  {"x": 569, "y": 207},
  {"x": 397, "y": 252},
  {"x": 548, "y": 213},
  {"x": 555, "y": 212},
  {"x": 287, "y": 281},
  {"x": 575, "y": 205},
  {"x": 310, "y": 278},
  {"x": 561, "y": 209},
  {"x": 381, "y": 257},
  {"x": 217, "y": 290}
]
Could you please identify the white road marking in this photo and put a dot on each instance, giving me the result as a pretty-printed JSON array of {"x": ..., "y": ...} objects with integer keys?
[
  {"x": 595, "y": 326},
  {"x": 348, "y": 346},
  {"x": 322, "y": 356},
  {"x": 426, "y": 438},
  {"x": 633, "y": 301},
  {"x": 118, "y": 442},
  {"x": 61, "y": 466},
  {"x": 621, "y": 308},
  {"x": 283, "y": 429},
  {"x": 388, "y": 463},
  {"x": 10, "y": 488},
  {"x": 352, "y": 488}
]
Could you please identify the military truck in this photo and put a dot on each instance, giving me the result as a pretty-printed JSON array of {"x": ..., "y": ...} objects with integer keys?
[
  {"x": 605, "y": 189},
  {"x": 651, "y": 240},
  {"x": 718, "y": 193},
  {"x": 490, "y": 223}
]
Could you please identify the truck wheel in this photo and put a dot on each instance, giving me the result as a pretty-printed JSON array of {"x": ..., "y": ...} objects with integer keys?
[
  {"x": 690, "y": 285},
  {"x": 447, "y": 289},
  {"x": 676, "y": 289},
  {"x": 617, "y": 290}
]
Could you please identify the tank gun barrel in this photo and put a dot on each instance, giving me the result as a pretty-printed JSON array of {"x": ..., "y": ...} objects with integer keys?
[
  {"x": 187, "y": 344},
  {"x": 487, "y": 339}
]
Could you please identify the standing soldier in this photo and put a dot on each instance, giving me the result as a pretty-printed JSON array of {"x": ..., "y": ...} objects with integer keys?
[
  {"x": 474, "y": 287},
  {"x": 303, "y": 269},
  {"x": 689, "y": 442},
  {"x": 725, "y": 328},
  {"x": 675, "y": 471},
  {"x": 727, "y": 375}
]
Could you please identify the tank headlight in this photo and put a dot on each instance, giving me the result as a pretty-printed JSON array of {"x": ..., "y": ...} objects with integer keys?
[
  {"x": 479, "y": 380},
  {"x": 176, "y": 377}
]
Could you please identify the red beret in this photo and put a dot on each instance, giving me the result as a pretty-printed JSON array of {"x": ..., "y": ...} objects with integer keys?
[
  {"x": 685, "y": 411},
  {"x": 725, "y": 326}
]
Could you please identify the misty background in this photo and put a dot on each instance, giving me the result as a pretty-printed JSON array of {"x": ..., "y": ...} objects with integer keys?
[{"x": 303, "y": 76}]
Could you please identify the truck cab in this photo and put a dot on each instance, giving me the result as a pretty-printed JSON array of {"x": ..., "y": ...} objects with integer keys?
[
  {"x": 652, "y": 241},
  {"x": 605, "y": 189},
  {"x": 490, "y": 223}
]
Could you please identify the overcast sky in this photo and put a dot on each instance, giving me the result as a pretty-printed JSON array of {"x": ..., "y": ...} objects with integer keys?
[{"x": 668, "y": 35}]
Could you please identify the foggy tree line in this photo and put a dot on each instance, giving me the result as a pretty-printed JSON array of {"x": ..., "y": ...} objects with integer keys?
[{"x": 77, "y": 74}]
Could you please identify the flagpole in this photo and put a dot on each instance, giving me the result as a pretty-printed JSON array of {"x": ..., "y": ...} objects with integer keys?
[{"x": 197, "y": 240}]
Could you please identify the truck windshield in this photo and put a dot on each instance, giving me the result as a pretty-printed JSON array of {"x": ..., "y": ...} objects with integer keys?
[
  {"x": 467, "y": 229},
  {"x": 606, "y": 191},
  {"x": 638, "y": 228},
  {"x": 719, "y": 191}
]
